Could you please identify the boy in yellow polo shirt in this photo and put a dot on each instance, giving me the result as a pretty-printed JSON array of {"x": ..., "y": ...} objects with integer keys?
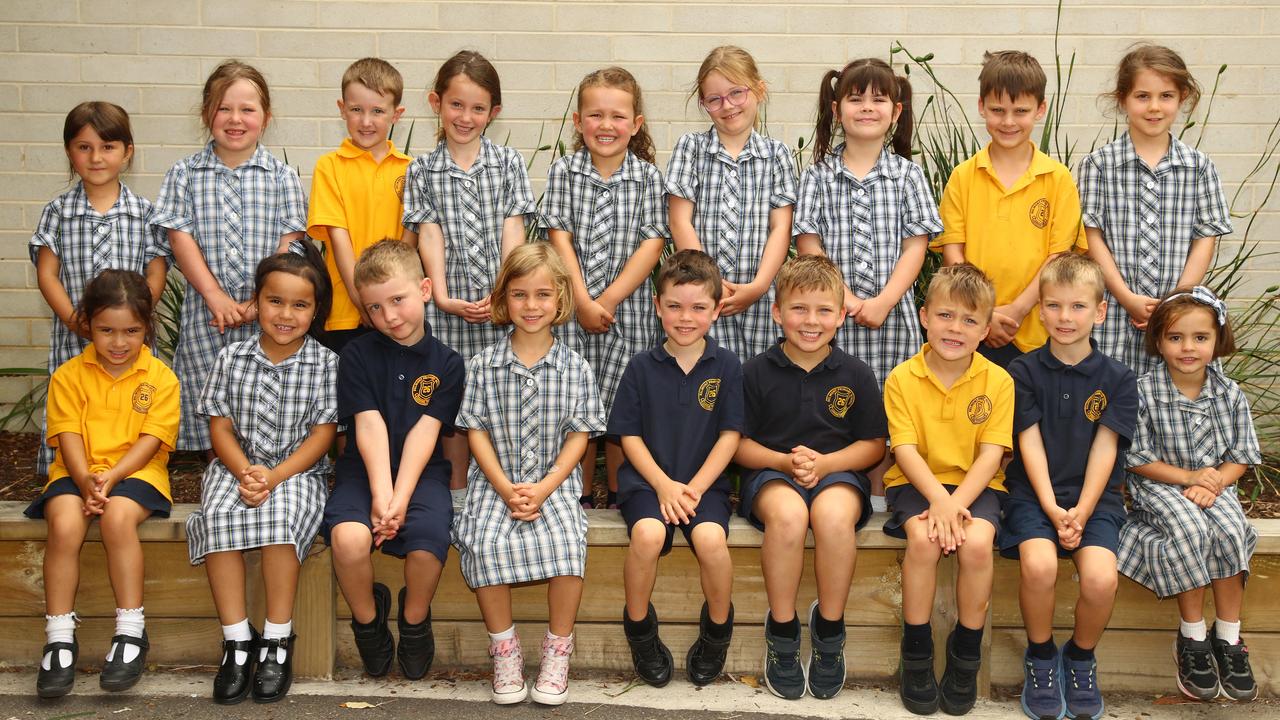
[
  {"x": 1010, "y": 207},
  {"x": 950, "y": 414},
  {"x": 357, "y": 190}
]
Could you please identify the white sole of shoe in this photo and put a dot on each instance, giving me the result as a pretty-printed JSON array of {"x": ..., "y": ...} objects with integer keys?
[
  {"x": 549, "y": 698},
  {"x": 510, "y": 698}
]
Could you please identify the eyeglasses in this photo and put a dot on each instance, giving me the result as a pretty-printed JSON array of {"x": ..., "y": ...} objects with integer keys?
[{"x": 734, "y": 97}]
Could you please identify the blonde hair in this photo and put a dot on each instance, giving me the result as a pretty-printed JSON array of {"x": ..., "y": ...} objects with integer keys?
[
  {"x": 735, "y": 64},
  {"x": 1072, "y": 269},
  {"x": 386, "y": 259},
  {"x": 1158, "y": 59},
  {"x": 525, "y": 260},
  {"x": 965, "y": 284},
  {"x": 1013, "y": 73},
  {"x": 376, "y": 74},
  {"x": 808, "y": 272},
  {"x": 222, "y": 78},
  {"x": 641, "y": 144}
]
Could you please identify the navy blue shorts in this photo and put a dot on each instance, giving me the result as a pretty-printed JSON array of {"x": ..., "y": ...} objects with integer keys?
[
  {"x": 906, "y": 502},
  {"x": 426, "y": 522},
  {"x": 858, "y": 481},
  {"x": 642, "y": 503},
  {"x": 1024, "y": 520},
  {"x": 139, "y": 491}
]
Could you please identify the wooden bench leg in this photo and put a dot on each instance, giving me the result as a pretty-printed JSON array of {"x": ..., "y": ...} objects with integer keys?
[{"x": 314, "y": 616}]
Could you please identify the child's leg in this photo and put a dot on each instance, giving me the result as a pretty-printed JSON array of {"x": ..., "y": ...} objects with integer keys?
[
  {"x": 1098, "y": 583},
  {"x": 458, "y": 454},
  {"x": 495, "y": 607},
  {"x": 564, "y": 595},
  {"x": 280, "y": 570},
  {"x": 715, "y": 567},
  {"x": 977, "y": 568},
  {"x": 833, "y": 516},
  {"x": 640, "y": 569},
  {"x": 1038, "y": 564},
  {"x": 612, "y": 461},
  {"x": 786, "y": 523},
  {"x": 1191, "y": 606},
  {"x": 353, "y": 567},
  {"x": 588, "y": 464},
  {"x": 421, "y": 576},
  {"x": 225, "y": 571},
  {"x": 67, "y": 527},
  {"x": 919, "y": 573},
  {"x": 119, "y": 527},
  {"x": 1228, "y": 597}
]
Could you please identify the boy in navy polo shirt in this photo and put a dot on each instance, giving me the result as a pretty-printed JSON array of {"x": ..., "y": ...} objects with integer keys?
[
  {"x": 1075, "y": 411},
  {"x": 814, "y": 424},
  {"x": 398, "y": 390},
  {"x": 678, "y": 415}
]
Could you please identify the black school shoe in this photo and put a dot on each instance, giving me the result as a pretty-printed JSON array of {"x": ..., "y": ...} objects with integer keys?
[
  {"x": 1234, "y": 673},
  {"x": 706, "y": 657},
  {"x": 417, "y": 646},
  {"x": 918, "y": 687},
  {"x": 118, "y": 675},
  {"x": 373, "y": 640},
  {"x": 58, "y": 679},
  {"x": 234, "y": 681},
  {"x": 958, "y": 689},
  {"x": 272, "y": 680},
  {"x": 1197, "y": 668},
  {"x": 651, "y": 658}
]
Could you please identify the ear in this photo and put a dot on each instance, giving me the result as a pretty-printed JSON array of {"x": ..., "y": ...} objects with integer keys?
[
  {"x": 897, "y": 111},
  {"x": 924, "y": 317},
  {"x": 433, "y": 99},
  {"x": 1102, "y": 313},
  {"x": 773, "y": 310},
  {"x": 982, "y": 106},
  {"x": 425, "y": 287},
  {"x": 639, "y": 124},
  {"x": 493, "y": 114},
  {"x": 342, "y": 106},
  {"x": 577, "y": 121},
  {"x": 395, "y": 116},
  {"x": 1040, "y": 111},
  {"x": 657, "y": 305},
  {"x": 128, "y": 154}
]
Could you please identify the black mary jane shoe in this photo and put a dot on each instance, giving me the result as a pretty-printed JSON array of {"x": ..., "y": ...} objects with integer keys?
[
  {"x": 118, "y": 675},
  {"x": 58, "y": 679},
  {"x": 417, "y": 646},
  {"x": 234, "y": 681},
  {"x": 272, "y": 680}
]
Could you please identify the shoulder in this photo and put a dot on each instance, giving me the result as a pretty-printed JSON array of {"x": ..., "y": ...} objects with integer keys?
[{"x": 692, "y": 142}]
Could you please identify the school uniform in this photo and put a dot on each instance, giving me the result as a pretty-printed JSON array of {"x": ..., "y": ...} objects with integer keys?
[
  {"x": 401, "y": 383},
  {"x": 527, "y": 412},
  {"x": 470, "y": 206},
  {"x": 1069, "y": 403},
  {"x": 732, "y": 200},
  {"x": 272, "y": 408},
  {"x": 1170, "y": 545},
  {"x": 608, "y": 219},
  {"x": 1148, "y": 218},
  {"x": 679, "y": 417},
  {"x": 237, "y": 217},
  {"x": 826, "y": 409}
]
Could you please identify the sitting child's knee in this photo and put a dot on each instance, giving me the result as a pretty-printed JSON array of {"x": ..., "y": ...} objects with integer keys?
[
  {"x": 1099, "y": 585},
  {"x": 647, "y": 537},
  {"x": 1039, "y": 570}
]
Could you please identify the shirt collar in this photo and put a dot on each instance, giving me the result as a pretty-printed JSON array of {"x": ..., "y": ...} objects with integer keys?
[
  {"x": 580, "y": 164},
  {"x": 207, "y": 158},
  {"x": 1090, "y": 365},
  {"x": 556, "y": 357},
  {"x": 440, "y": 161},
  {"x": 775, "y": 355},
  {"x": 141, "y": 365},
  {"x": 423, "y": 347},
  {"x": 659, "y": 352},
  {"x": 309, "y": 353},
  {"x": 920, "y": 368},
  {"x": 884, "y": 167},
  {"x": 77, "y": 204},
  {"x": 1041, "y": 164},
  {"x": 349, "y": 149},
  {"x": 755, "y": 147},
  {"x": 1165, "y": 392},
  {"x": 1178, "y": 154}
]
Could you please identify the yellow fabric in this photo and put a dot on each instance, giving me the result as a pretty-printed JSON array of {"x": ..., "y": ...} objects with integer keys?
[
  {"x": 947, "y": 426},
  {"x": 1010, "y": 233},
  {"x": 351, "y": 191},
  {"x": 110, "y": 414}
]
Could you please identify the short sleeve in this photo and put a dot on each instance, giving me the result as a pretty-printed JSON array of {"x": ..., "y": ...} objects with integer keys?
[
  {"x": 587, "y": 412},
  {"x": 448, "y": 395},
  {"x": 519, "y": 193},
  {"x": 751, "y": 401},
  {"x": 156, "y": 239},
  {"x": 682, "y": 169},
  {"x": 64, "y": 403},
  {"x": 324, "y": 409},
  {"x": 355, "y": 391},
  {"x": 869, "y": 420},
  {"x": 653, "y": 207},
  {"x": 174, "y": 209},
  {"x": 557, "y": 201},
  {"x": 810, "y": 217},
  {"x": 1093, "y": 204},
  {"x": 1243, "y": 446},
  {"x": 162, "y": 416},
  {"x": 213, "y": 397},
  {"x": 999, "y": 428},
  {"x": 919, "y": 210},
  {"x": 419, "y": 206},
  {"x": 951, "y": 212},
  {"x": 902, "y": 427},
  {"x": 732, "y": 404},
  {"x": 1121, "y": 411},
  {"x": 48, "y": 232},
  {"x": 1142, "y": 450},
  {"x": 326, "y": 209},
  {"x": 293, "y": 203},
  {"x": 472, "y": 413},
  {"x": 1067, "y": 231},
  {"x": 625, "y": 419},
  {"x": 1212, "y": 216},
  {"x": 1026, "y": 404},
  {"x": 783, "y": 192}
]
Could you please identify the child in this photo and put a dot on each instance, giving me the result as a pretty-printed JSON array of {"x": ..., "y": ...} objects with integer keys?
[
  {"x": 950, "y": 424},
  {"x": 1010, "y": 208},
  {"x": 529, "y": 406},
  {"x": 1074, "y": 413},
  {"x": 98, "y": 224},
  {"x": 1153, "y": 207},
  {"x": 814, "y": 426},
  {"x": 678, "y": 415},
  {"x": 467, "y": 200},
  {"x": 357, "y": 189},
  {"x": 866, "y": 206},
  {"x": 398, "y": 390},
  {"x": 271, "y": 403},
  {"x": 730, "y": 193},
  {"x": 605, "y": 214},
  {"x": 113, "y": 417},
  {"x": 1187, "y": 531},
  {"x": 225, "y": 209}
]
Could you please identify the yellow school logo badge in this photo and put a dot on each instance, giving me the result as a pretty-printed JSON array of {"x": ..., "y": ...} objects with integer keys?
[
  {"x": 1039, "y": 213},
  {"x": 143, "y": 396},
  {"x": 423, "y": 387},
  {"x": 979, "y": 409},
  {"x": 399, "y": 186},
  {"x": 708, "y": 391},
  {"x": 1094, "y": 406},
  {"x": 839, "y": 400}
]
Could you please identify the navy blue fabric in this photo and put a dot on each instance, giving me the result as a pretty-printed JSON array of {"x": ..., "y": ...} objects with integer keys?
[
  {"x": 426, "y": 522},
  {"x": 1024, "y": 520},
  {"x": 712, "y": 508},
  {"x": 139, "y": 491},
  {"x": 752, "y": 486},
  {"x": 905, "y": 502}
]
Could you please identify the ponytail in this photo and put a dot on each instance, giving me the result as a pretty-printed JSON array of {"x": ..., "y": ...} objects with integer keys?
[
  {"x": 905, "y": 126},
  {"x": 827, "y": 120},
  {"x": 857, "y": 77}
]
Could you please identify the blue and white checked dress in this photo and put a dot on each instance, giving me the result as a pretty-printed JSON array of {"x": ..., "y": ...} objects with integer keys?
[
  {"x": 470, "y": 206},
  {"x": 862, "y": 224},
  {"x": 1148, "y": 218},
  {"x": 237, "y": 217},
  {"x": 272, "y": 409},
  {"x": 1169, "y": 544},
  {"x": 608, "y": 219},
  {"x": 527, "y": 412},
  {"x": 732, "y": 200}
]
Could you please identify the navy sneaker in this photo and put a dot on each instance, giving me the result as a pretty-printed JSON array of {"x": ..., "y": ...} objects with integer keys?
[
  {"x": 1234, "y": 673},
  {"x": 783, "y": 672},
  {"x": 1080, "y": 688},
  {"x": 826, "y": 660},
  {"x": 1197, "y": 674},
  {"x": 1042, "y": 688}
]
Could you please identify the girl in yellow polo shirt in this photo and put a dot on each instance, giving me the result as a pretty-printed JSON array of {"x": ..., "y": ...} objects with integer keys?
[{"x": 113, "y": 418}]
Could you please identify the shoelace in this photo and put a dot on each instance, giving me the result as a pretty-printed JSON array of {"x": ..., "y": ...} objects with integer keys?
[
  {"x": 1199, "y": 660},
  {"x": 791, "y": 659},
  {"x": 1238, "y": 662},
  {"x": 507, "y": 664},
  {"x": 555, "y": 665},
  {"x": 1088, "y": 676},
  {"x": 1037, "y": 673}
]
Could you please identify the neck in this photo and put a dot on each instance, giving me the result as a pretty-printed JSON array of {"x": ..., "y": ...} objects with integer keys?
[
  {"x": 531, "y": 347},
  {"x": 608, "y": 166},
  {"x": 734, "y": 144},
  {"x": 860, "y": 151},
  {"x": 805, "y": 360},
  {"x": 102, "y": 197},
  {"x": 1149, "y": 147},
  {"x": 276, "y": 352},
  {"x": 1189, "y": 385},
  {"x": 947, "y": 370},
  {"x": 1071, "y": 354},
  {"x": 380, "y": 151},
  {"x": 464, "y": 155},
  {"x": 685, "y": 352},
  {"x": 233, "y": 160},
  {"x": 1021, "y": 154},
  {"x": 116, "y": 371}
]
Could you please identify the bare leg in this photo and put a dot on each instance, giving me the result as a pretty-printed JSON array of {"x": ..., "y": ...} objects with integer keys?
[
  {"x": 67, "y": 527},
  {"x": 125, "y": 566},
  {"x": 977, "y": 569},
  {"x": 421, "y": 576},
  {"x": 919, "y": 573},
  {"x": 786, "y": 522},
  {"x": 564, "y": 594},
  {"x": 225, "y": 571},
  {"x": 1191, "y": 605},
  {"x": 588, "y": 464},
  {"x": 458, "y": 453},
  {"x": 833, "y": 515},
  {"x": 640, "y": 568},
  {"x": 612, "y": 461},
  {"x": 353, "y": 567},
  {"x": 1228, "y": 597},
  {"x": 495, "y": 607},
  {"x": 280, "y": 568},
  {"x": 1038, "y": 563},
  {"x": 715, "y": 567},
  {"x": 1098, "y": 583}
]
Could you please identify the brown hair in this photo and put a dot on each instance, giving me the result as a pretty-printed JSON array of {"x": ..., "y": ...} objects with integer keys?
[
  {"x": 735, "y": 64},
  {"x": 109, "y": 120},
  {"x": 376, "y": 74},
  {"x": 477, "y": 69},
  {"x": 1013, "y": 73},
  {"x": 524, "y": 260},
  {"x": 222, "y": 78},
  {"x": 386, "y": 259},
  {"x": 310, "y": 267},
  {"x": 1159, "y": 59},
  {"x": 1171, "y": 308},
  {"x": 117, "y": 288},
  {"x": 809, "y": 272},
  {"x": 690, "y": 267},
  {"x": 641, "y": 144},
  {"x": 965, "y": 284},
  {"x": 1071, "y": 269},
  {"x": 857, "y": 77}
]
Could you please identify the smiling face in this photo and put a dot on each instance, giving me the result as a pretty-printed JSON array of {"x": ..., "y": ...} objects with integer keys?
[
  {"x": 607, "y": 120},
  {"x": 952, "y": 329},
  {"x": 809, "y": 318},
  {"x": 1152, "y": 105},
  {"x": 686, "y": 312},
  {"x": 396, "y": 306},
  {"x": 465, "y": 109},
  {"x": 369, "y": 115},
  {"x": 1187, "y": 343},
  {"x": 286, "y": 307},
  {"x": 237, "y": 123},
  {"x": 867, "y": 116},
  {"x": 117, "y": 335},
  {"x": 732, "y": 111},
  {"x": 1010, "y": 120},
  {"x": 98, "y": 162},
  {"x": 532, "y": 301},
  {"x": 1069, "y": 312}
]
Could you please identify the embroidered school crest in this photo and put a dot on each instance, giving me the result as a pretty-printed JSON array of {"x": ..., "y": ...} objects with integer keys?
[
  {"x": 399, "y": 187},
  {"x": 708, "y": 391},
  {"x": 423, "y": 387},
  {"x": 979, "y": 409},
  {"x": 1039, "y": 213},
  {"x": 839, "y": 400},
  {"x": 143, "y": 396},
  {"x": 1094, "y": 406}
]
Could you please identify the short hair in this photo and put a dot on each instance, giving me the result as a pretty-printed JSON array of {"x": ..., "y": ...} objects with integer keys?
[
  {"x": 386, "y": 259},
  {"x": 809, "y": 272},
  {"x": 525, "y": 260},
  {"x": 1011, "y": 72},
  {"x": 108, "y": 120},
  {"x": 1073, "y": 269},
  {"x": 965, "y": 284},
  {"x": 1177, "y": 303},
  {"x": 376, "y": 74},
  {"x": 689, "y": 267}
]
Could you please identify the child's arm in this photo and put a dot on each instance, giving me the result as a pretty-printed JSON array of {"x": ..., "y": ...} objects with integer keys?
[
  {"x": 874, "y": 310},
  {"x": 591, "y": 314},
  {"x": 530, "y": 496},
  {"x": 487, "y": 460},
  {"x": 419, "y": 444},
  {"x": 811, "y": 244},
  {"x": 680, "y": 216},
  {"x": 775, "y": 253},
  {"x": 1097, "y": 471},
  {"x": 1006, "y": 319},
  {"x": 156, "y": 272},
  {"x": 633, "y": 274},
  {"x": 953, "y": 254},
  {"x": 431, "y": 249},
  {"x": 1199, "y": 259},
  {"x": 76, "y": 460},
  {"x": 751, "y": 454},
  {"x": 984, "y": 467},
  {"x": 344, "y": 257},
  {"x": 48, "y": 266},
  {"x": 375, "y": 451},
  {"x": 512, "y": 234},
  {"x": 946, "y": 514},
  {"x": 1138, "y": 306},
  {"x": 226, "y": 312},
  {"x": 319, "y": 440},
  {"x": 854, "y": 456},
  {"x": 1036, "y": 464}
]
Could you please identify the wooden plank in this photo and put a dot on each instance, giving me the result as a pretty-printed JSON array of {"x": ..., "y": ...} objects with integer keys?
[{"x": 314, "y": 616}]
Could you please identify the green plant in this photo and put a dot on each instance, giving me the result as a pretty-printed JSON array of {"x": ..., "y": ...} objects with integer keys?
[
  {"x": 22, "y": 412},
  {"x": 168, "y": 316}
]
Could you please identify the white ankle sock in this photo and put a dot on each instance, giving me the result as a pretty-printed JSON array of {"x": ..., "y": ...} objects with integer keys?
[
  {"x": 504, "y": 635},
  {"x": 238, "y": 632},
  {"x": 1228, "y": 632},
  {"x": 275, "y": 631},
  {"x": 1193, "y": 630},
  {"x": 59, "y": 628},
  {"x": 129, "y": 622}
]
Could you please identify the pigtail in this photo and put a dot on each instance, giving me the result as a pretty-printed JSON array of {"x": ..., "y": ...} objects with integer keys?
[
  {"x": 641, "y": 146},
  {"x": 904, "y": 127},
  {"x": 825, "y": 128}
]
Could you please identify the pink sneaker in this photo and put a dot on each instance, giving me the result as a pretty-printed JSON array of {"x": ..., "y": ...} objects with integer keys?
[
  {"x": 552, "y": 687},
  {"x": 508, "y": 672}
]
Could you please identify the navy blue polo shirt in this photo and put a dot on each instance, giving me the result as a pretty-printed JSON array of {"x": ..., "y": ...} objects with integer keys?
[
  {"x": 1070, "y": 402},
  {"x": 679, "y": 417},
  {"x": 402, "y": 383},
  {"x": 826, "y": 409}
]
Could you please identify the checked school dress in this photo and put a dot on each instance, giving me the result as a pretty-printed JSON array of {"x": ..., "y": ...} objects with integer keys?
[
  {"x": 527, "y": 412},
  {"x": 272, "y": 409},
  {"x": 470, "y": 206},
  {"x": 608, "y": 219},
  {"x": 1148, "y": 217},
  {"x": 237, "y": 217},
  {"x": 732, "y": 200},
  {"x": 862, "y": 224},
  {"x": 1169, "y": 544}
]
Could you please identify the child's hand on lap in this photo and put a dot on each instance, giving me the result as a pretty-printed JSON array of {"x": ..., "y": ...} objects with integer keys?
[
  {"x": 253, "y": 486},
  {"x": 945, "y": 519},
  {"x": 1200, "y": 496},
  {"x": 803, "y": 464},
  {"x": 670, "y": 502},
  {"x": 1208, "y": 478},
  {"x": 528, "y": 501},
  {"x": 689, "y": 499}
]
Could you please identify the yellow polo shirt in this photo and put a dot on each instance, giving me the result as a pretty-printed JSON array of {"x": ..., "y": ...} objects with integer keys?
[
  {"x": 948, "y": 425},
  {"x": 366, "y": 198},
  {"x": 1009, "y": 233},
  {"x": 110, "y": 414}
]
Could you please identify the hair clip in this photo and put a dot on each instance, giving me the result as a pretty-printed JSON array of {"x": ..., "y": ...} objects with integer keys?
[{"x": 1204, "y": 296}]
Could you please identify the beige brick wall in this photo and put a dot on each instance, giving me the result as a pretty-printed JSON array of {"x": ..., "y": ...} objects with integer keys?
[{"x": 151, "y": 56}]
